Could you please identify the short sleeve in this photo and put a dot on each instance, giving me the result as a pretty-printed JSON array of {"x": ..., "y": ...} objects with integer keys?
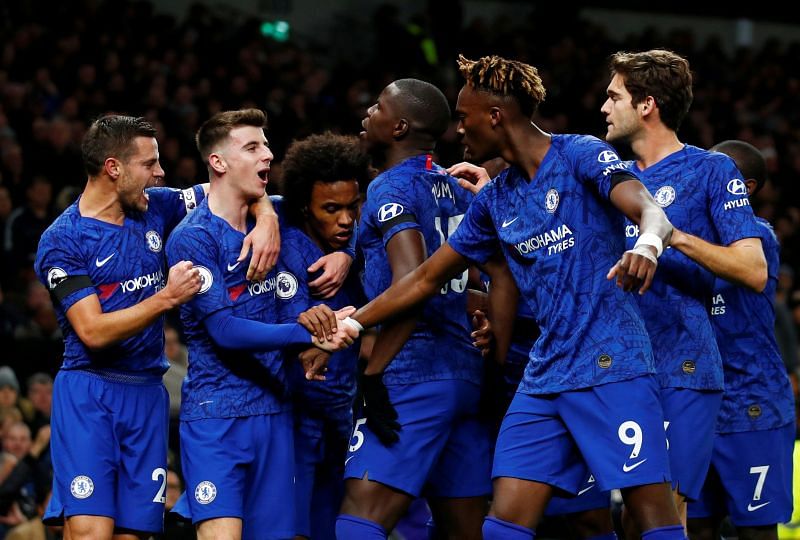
[
  {"x": 595, "y": 162},
  {"x": 173, "y": 204},
  {"x": 392, "y": 209},
  {"x": 61, "y": 267},
  {"x": 476, "y": 237},
  {"x": 729, "y": 204},
  {"x": 200, "y": 248}
]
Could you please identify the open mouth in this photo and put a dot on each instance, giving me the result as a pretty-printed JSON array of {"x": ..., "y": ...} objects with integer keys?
[{"x": 264, "y": 175}]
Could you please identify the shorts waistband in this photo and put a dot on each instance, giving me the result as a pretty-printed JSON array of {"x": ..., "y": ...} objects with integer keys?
[{"x": 142, "y": 379}]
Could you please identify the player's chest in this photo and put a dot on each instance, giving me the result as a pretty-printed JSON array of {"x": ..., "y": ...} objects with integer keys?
[
  {"x": 249, "y": 298},
  {"x": 126, "y": 261},
  {"x": 682, "y": 197}
]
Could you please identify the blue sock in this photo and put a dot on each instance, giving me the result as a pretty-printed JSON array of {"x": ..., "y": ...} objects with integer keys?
[
  {"x": 356, "y": 528},
  {"x": 497, "y": 529},
  {"x": 610, "y": 536},
  {"x": 430, "y": 527},
  {"x": 670, "y": 532}
]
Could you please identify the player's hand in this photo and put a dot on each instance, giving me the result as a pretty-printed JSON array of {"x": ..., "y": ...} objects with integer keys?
[
  {"x": 344, "y": 336},
  {"x": 378, "y": 409},
  {"x": 183, "y": 282},
  {"x": 483, "y": 335},
  {"x": 335, "y": 267},
  {"x": 635, "y": 269},
  {"x": 315, "y": 363},
  {"x": 470, "y": 177},
  {"x": 320, "y": 321},
  {"x": 265, "y": 241}
]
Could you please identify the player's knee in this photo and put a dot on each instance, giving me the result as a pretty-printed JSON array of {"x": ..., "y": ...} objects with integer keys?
[{"x": 497, "y": 529}]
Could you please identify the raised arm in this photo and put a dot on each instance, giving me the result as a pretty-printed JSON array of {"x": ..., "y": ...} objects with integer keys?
[{"x": 637, "y": 266}]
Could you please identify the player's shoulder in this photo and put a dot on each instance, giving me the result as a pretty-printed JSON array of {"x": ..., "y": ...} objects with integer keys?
[
  {"x": 194, "y": 227},
  {"x": 66, "y": 227},
  {"x": 708, "y": 158},
  {"x": 767, "y": 231}
]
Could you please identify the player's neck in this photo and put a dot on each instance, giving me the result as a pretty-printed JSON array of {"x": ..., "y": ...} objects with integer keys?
[
  {"x": 100, "y": 201},
  {"x": 399, "y": 153},
  {"x": 229, "y": 204},
  {"x": 526, "y": 148},
  {"x": 654, "y": 146}
]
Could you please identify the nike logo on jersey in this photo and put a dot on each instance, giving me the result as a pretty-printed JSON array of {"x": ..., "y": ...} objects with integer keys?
[
  {"x": 584, "y": 490},
  {"x": 629, "y": 468},
  {"x": 507, "y": 223},
  {"x": 751, "y": 508},
  {"x": 232, "y": 267},
  {"x": 98, "y": 263}
]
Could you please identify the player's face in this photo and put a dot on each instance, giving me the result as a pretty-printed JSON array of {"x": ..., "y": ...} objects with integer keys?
[
  {"x": 332, "y": 213},
  {"x": 621, "y": 116},
  {"x": 381, "y": 120},
  {"x": 139, "y": 172},
  {"x": 247, "y": 157},
  {"x": 474, "y": 126}
]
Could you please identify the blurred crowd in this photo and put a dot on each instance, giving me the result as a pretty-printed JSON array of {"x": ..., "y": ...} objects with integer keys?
[{"x": 64, "y": 64}]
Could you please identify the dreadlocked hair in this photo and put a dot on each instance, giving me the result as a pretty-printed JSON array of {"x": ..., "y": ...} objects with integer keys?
[{"x": 501, "y": 77}]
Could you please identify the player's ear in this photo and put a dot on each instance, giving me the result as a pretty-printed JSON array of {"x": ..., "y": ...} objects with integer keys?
[
  {"x": 648, "y": 105},
  {"x": 401, "y": 128},
  {"x": 112, "y": 167},
  {"x": 495, "y": 116},
  {"x": 217, "y": 163},
  {"x": 750, "y": 184}
]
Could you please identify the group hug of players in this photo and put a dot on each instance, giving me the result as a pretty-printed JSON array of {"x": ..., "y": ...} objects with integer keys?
[{"x": 613, "y": 294}]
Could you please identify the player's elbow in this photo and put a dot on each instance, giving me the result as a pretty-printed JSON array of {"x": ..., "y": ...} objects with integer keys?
[
  {"x": 758, "y": 277},
  {"x": 93, "y": 338}
]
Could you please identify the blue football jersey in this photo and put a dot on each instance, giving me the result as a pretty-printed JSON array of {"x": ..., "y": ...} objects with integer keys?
[
  {"x": 758, "y": 394},
  {"x": 417, "y": 194},
  {"x": 702, "y": 194},
  {"x": 123, "y": 265},
  {"x": 223, "y": 383},
  {"x": 333, "y": 397},
  {"x": 560, "y": 237}
]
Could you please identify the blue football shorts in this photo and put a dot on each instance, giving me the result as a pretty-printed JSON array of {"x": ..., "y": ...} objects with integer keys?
[
  {"x": 241, "y": 468},
  {"x": 690, "y": 417},
  {"x": 750, "y": 478},
  {"x": 444, "y": 448},
  {"x": 615, "y": 430},
  {"x": 109, "y": 448}
]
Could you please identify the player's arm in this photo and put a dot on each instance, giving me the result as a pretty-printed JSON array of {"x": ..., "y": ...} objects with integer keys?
[
  {"x": 740, "y": 262},
  {"x": 415, "y": 287},
  {"x": 638, "y": 265},
  {"x": 406, "y": 251},
  {"x": 264, "y": 239},
  {"x": 97, "y": 329},
  {"x": 502, "y": 304}
]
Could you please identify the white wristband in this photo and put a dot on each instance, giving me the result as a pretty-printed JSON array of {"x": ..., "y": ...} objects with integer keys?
[
  {"x": 354, "y": 324},
  {"x": 650, "y": 239},
  {"x": 644, "y": 252}
]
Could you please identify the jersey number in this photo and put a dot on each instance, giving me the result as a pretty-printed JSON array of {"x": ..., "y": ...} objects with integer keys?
[
  {"x": 160, "y": 473},
  {"x": 762, "y": 476},
  {"x": 457, "y": 284},
  {"x": 358, "y": 435}
]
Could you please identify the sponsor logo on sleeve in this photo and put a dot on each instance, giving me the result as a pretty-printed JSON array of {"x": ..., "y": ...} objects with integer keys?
[
  {"x": 607, "y": 156},
  {"x": 737, "y": 187},
  {"x": 389, "y": 211}
]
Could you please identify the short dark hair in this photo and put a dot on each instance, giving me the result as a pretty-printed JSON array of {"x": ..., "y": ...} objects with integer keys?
[
  {"x": 112, "y": 136},
  {"x": 319, "y": 158},
  {"x": 425, "y": 106},
  {"x": 660, "y": 73},
  {"x": 749, "y": 160},
  {"x": 505, "y": 78},
  {"x": 219, "y": 126}
]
